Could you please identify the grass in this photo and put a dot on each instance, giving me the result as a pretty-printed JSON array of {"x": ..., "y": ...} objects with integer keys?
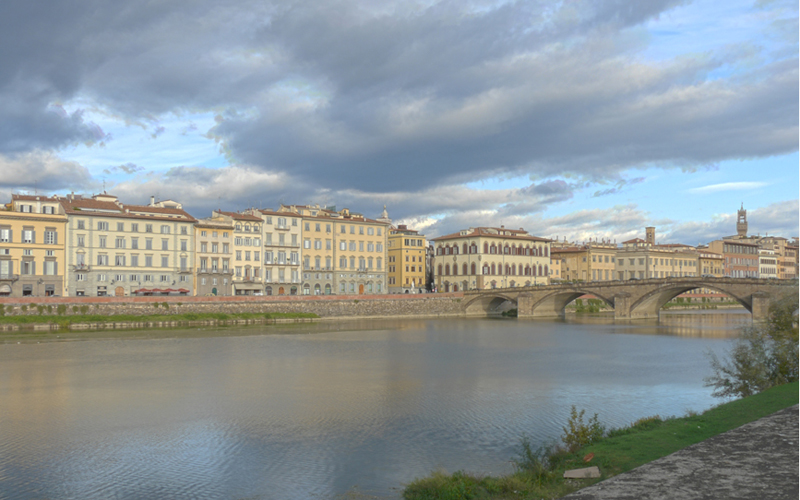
[
  {"x": 539, "y": 472},
  {"x": 65, "y": 321}
]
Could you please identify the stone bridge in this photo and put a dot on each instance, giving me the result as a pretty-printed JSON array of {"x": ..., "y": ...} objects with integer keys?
[{"x": 634, "y": 299}]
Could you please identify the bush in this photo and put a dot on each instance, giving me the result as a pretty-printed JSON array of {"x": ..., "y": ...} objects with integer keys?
[
  {"x": 24, "y": 308},
  {"x": 764, "y": 356},
  {"x": 61, "y": 309},
  {"x": 155, "y": 304},
  {"x": 49, "y": 309},
  {"x": 40, "y": 309},
  {"x": 578, "y": 434},
  {"x": 75, "y": 309},
  {"x": 84, "y": 309},
  {"x": 165, "y": 305},
  {"x": 534, "y": 462}
]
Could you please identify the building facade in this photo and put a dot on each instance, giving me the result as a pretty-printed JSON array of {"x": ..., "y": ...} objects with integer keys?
[
  {"x": 740, "y": 258},
  {"x": 406, "y": 260},
  {"x": 594, "y": 261},
  {"x": 122, "y": 250},
  {"x": 282, "y": 233},
  {"x": 488, "y": 257},
  {"x": 32, "y": 247},
  {"x": 212, "y": 262},
  {"x": 644, "y": 259}
]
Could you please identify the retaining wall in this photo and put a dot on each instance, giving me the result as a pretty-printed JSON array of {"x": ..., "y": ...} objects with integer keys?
[{"x": 431, "y": 305}]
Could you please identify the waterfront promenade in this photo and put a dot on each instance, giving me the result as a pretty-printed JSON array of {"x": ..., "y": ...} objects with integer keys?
[{"x": 758, "y": 460}]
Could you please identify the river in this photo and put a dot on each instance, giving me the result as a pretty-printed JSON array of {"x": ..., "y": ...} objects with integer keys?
[{"x": 328, "y": 410}]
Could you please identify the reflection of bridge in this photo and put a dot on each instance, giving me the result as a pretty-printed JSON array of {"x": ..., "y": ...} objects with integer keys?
[{"x": 630, "y": 299}]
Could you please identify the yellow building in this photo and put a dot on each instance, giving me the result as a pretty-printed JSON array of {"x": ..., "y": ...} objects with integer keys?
[
  {"x": 282, "y": 251},
  {"x": 246, "y": 252},
  {"x": 594, "y": 261},
  {"x": 32, "y": 247},
  {"x": 213, "y": 271},
  {"x": 354, "y": 245},
  {"x": 406, "y": 260},
  {"x": 490, "y": 257}
]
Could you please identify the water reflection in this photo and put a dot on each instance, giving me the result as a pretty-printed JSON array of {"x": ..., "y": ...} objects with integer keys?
[{"x": 371, "y": 404}]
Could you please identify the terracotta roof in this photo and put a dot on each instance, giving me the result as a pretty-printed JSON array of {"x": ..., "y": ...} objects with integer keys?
[
  {"x": 568, "y": 250},
  {"x": 278, "y": 214},
  {"x": 240, "y": 216},
  {"x": 31, "y": 197},
  {"x": 481, "y": 231},
  {"x": 90, "y": 207},
  {"x": 635, "y": 240}
]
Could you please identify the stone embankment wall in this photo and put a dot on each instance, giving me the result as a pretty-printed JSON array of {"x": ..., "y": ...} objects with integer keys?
[{"x": 433, "y": 305}]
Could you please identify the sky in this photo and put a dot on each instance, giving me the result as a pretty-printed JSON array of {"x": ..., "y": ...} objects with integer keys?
[{"x": 571, "y": 119}]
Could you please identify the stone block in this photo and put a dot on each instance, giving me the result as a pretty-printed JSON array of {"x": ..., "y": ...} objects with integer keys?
[{"x": 585, "y": 473}]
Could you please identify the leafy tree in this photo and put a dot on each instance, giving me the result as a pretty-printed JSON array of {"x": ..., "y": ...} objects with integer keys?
[{"x": 764, "y": 356}]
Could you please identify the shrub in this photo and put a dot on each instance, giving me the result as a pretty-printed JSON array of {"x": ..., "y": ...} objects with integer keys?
[
  {"x": 578, "y": 434},
  {"x": 49, "y": 309},
  {"x": 155, "y": 304},
  {"x": 764, "y": 356},
  {"x": 535, "y": 462},
  {"x": 61, "y": 309},
  {"x": 165, "y": 305},
  {"x": 355, "y": 301},
  {"x": 84, "y": 309},
  {"x": 74, "y": 309},
  {"x": 24, "y": 308}
]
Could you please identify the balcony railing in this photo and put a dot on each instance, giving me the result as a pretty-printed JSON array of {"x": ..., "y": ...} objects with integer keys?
[
  {"x": 183, "y": 269},
  {"x": 81, "y": 267},
  {"x": 8, "y": 277}
]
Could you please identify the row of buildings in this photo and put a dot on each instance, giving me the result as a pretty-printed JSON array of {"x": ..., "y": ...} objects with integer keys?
[
  {"x": 98, "y": 246},
  {"x": 487, "y": 257}
]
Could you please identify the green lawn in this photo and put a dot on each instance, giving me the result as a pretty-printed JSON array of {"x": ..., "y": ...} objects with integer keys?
[{"x": 622, "y": 450}]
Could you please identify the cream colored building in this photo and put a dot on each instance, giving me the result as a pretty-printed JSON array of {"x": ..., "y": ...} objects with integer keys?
[
  {"x": 490, "y": 257},
  {"x": 213, "y": 255},
  {"x": 118, "y": 249},
  {"x": 644, "y": 259},
  {"x": 406, "y": 260},
  {"x": 246, "y": 252},
  {"x": 32, "y": 247},
  {"x": 282, "y": 234}
]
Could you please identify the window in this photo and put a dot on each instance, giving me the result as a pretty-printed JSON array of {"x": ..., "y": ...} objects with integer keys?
[
  {"x": 50, "y": 237},
  {"x": 81, "y": 224},
  {"x": 165, "y": 229},
  {"x": 135, "y": 261},
  {"x": 102, "y": 226},
  {"x": 203, "y": 247},
  {"x": 360, "y": 229},
  {"x": 135, "y": 229},
  {"x": 119, "y": 243},
  {"x": 317, "y": 227},
  {"x": 119, "y": 260},
  {"x": 102, "y": 242},
  {"x": 342, "y": 245},
  {"x": 28, "y": 236},
  {"x": 120, "y": 226},
  {"x": 238, "y": 255},
  {"x": 164, "y": 261},
  {"x": 148, "y": 228},
  {"x": 135, "y": 243},
  {"x": 318, "y": 244},
  {"x": 102, "y": 260},
  {"x": 164, "y": 244},
  {"x": 370, "y": 231},
  {"x": 306, "y": 243},
  {"x": 5, "y": 235},
  {"x": 183, "y": 245},
  {"x": 80, "y": 277},
  {"x": 148, "y": 244},
  {"x": 148, "y": 261}
]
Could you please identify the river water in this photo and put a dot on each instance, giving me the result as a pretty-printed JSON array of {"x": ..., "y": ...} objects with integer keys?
[{"x": 329, "y": 410}]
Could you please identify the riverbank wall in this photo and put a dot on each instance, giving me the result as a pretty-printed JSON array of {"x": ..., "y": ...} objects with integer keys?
[{"x": 362, "y": 306}]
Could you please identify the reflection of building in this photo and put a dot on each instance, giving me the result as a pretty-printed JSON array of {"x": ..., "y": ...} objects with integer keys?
[
  {"x": 406, "y": 260},
  {"x": 643, "y": 259},
  {"x": 117, "y": 249},
  {"x": 489, "y": 257},
  {"x": 213, "y": 238},
  {"x": 32, "y": 246}
]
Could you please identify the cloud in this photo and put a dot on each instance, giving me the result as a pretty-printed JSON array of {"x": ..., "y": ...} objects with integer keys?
[
  {"x": 128, "y": 168},
  {"x": 42, "y": 171},
  {"x": 352, "y": 94},
  {"x": 729, "y": 186}
]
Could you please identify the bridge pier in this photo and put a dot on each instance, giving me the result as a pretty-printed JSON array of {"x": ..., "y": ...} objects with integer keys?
[{"x": 759, "y": 305}]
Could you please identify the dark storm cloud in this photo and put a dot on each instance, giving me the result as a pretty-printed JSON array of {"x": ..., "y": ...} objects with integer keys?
[{"x": 396, "y": 96}]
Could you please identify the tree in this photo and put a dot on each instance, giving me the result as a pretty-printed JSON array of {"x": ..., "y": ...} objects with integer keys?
[{"x": 764, "y": 356}]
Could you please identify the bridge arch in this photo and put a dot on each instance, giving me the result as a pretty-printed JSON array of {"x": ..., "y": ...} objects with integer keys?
[
  {"x": 650, "y": 303},
  {"x": 485, "y": 303},
  {"x": 553, "y": 304}
]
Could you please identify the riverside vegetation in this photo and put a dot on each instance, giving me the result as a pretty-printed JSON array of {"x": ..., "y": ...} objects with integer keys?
[
  {"x": 762, "y": 369},
  {"x": 80, "y": 315}
]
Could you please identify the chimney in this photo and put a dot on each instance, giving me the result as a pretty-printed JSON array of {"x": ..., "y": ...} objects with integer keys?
[{"x": 152, "y": 201}]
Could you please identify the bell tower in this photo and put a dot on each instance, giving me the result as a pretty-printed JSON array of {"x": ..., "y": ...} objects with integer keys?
[{"x": 741, "y": 223}]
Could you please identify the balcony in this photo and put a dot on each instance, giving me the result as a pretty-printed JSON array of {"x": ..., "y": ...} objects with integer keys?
[
  {"x": 183, "y": 270},
  {"x": 81, "y": 267},
  {"x": 8, "y": 277}
]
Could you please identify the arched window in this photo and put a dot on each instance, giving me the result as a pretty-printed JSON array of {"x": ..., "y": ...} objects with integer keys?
[
  {"x": 447, "y": 269},
  {"x": 455, "y": 269},
  {"x": 455, "y": 287},
  {"x": 464, "y": 248},
  {"x": 506, "y": 250},
  {"x": 493, "y": 269},
  {"x": 472, "y": 269},
  {"x": 546, "y": 251},
  {"x": 493, "y": 249},
  {"x": 540, "y": 270},
  {"x": 485, "y": 268},
  {"x": 440, "y": 270},
  {"x": 464, "y": 269},
  {"x": 485, "y": 248},
  {"x": 546, "y": 272}
]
